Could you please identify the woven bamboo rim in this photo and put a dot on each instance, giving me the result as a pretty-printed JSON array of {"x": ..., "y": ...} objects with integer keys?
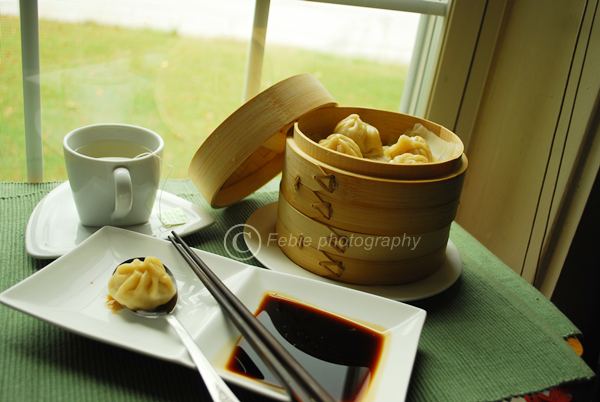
[
  {"x": 339, "y": 242},
  {"x": 246, "y": 150},
  {"x": 314, "y": 126},
  {"x": 357, "y": 271}
]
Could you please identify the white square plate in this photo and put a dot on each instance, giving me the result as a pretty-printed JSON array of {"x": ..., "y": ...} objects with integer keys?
[{"x": 71, "y": 291}]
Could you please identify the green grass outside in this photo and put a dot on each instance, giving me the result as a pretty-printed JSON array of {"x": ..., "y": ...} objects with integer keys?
[{"x": 181, "y": 87}]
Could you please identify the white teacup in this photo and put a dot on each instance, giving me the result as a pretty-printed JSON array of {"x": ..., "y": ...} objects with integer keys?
[{"x": 114, "y": 172}]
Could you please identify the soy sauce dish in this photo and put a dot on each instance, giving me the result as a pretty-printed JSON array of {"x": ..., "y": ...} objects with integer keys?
[{"x": 342, "y": 354}]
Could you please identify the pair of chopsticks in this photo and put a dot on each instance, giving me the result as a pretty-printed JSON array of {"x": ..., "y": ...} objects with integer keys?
[{"x": 298, "y": 382}]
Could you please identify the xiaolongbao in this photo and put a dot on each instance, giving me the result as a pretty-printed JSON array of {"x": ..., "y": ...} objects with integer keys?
[
  {"x": 342, "y": 144},
  {"x": 415, "y": 145},
  {"x": 409, "y": 159},
  {"x": 363, "y": 134},
  {"x": 141, "y": 285}
]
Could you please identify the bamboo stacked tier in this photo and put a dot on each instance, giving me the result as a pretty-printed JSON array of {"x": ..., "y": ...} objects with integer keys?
[{"x": 340, "y": 215}]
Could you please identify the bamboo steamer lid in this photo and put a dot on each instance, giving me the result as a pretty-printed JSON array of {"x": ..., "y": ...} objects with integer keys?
[{"x": 247, "y": 149}]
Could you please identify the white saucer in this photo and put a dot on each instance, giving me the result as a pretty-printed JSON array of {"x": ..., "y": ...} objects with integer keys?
[
  {"x": 54, "y": 229},
  {"x": 263, "y": 221}
]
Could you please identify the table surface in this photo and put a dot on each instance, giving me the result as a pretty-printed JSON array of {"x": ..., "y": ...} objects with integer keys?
[{"x": 489, "y": 337}]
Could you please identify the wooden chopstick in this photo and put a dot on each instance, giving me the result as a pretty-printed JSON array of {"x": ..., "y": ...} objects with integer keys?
[{"x": 299, "y": 383}]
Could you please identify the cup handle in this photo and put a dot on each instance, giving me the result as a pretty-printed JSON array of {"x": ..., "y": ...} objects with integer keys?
[{"x": 123, "y": 193}]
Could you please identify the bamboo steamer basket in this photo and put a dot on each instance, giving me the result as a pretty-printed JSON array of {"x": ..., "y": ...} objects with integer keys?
[
  {"x": 318, "y": 124},
  {"x": 324, "y": 193},
  {"x": 368, "y": 204},
  {"x": 319, "y": 201}
]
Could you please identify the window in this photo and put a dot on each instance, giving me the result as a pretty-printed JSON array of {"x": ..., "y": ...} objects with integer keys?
[
  {"x": 180, "y": 68},
  {"x": 361, "y": 55}
]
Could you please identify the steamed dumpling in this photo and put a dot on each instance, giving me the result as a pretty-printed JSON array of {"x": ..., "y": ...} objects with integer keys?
[
  {"x": 409, "y": 159},
  {"x": 141, "y": 285},
  {"x": 364, "y": 135},
  {"x": 415, "y": 145},
  {"x": 342, "y": 144}
]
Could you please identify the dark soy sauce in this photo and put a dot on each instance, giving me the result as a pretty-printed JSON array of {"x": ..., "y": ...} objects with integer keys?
[{"x": 342, "y": 355}]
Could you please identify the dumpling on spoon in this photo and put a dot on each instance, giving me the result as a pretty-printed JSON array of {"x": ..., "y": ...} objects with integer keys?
[
  {"x": 141, "y": 285},
  {"x": 363, "y": 134},
  {"x": 342, "y": 144}
]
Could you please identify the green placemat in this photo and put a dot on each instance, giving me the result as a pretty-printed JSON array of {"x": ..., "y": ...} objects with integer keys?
[{"x": 488, "y": 337}]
